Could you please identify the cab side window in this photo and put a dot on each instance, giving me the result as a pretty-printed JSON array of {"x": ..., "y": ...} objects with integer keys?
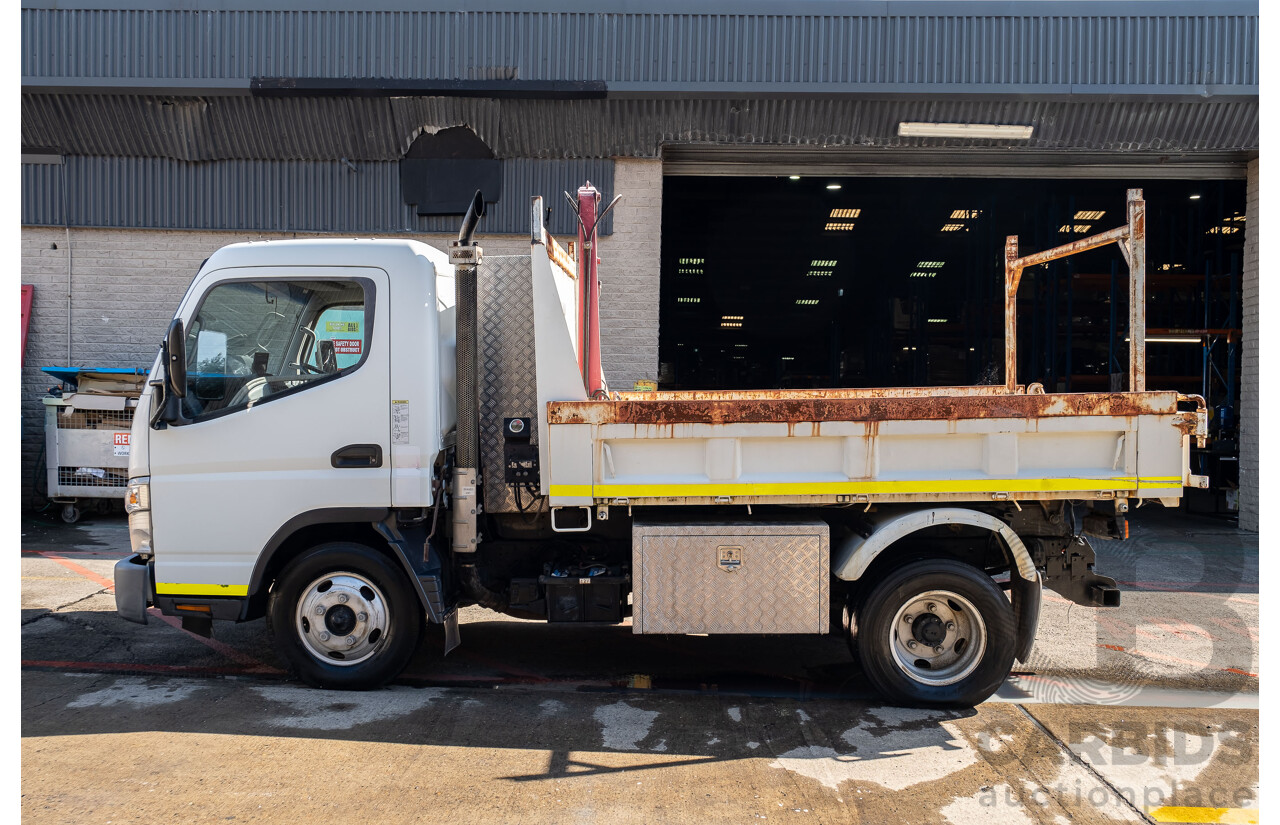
[{"x": 252, "y": 341}]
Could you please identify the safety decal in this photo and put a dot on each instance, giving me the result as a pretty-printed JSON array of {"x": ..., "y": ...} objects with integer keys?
[
  {"x": 341, "y": 326},
  {"x": 120, "y": 444},
  {"x": 399, "y": 422},
  {"x": 347, "y": 346}
]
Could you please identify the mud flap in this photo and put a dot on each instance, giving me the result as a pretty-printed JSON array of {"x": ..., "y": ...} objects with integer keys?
[
  {"x": 451, "y": 637},
  {"x": 1026, "y": 613}
]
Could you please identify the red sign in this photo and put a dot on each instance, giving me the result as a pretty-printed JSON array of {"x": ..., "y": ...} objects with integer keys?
[
  {"x": 347, "y": 346},
  {"x": 122, "y": 439}
]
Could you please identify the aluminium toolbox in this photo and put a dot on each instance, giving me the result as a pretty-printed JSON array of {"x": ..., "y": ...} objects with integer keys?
[{"x": 86, "y": 434}]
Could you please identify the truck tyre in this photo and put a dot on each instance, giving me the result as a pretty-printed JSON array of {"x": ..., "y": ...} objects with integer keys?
[
  {"x": 936, "y": 633},
  {"x": 343, "y": 616}
]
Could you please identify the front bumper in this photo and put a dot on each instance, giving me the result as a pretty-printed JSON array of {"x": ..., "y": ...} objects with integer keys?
[{"x": 135, "y": 588}]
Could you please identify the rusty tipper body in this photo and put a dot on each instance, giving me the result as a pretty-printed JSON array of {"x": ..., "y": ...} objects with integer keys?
[{"x": 471, "y": 454}]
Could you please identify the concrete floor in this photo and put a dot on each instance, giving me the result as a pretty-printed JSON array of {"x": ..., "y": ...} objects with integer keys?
[{"x": 1145, "y": 712}]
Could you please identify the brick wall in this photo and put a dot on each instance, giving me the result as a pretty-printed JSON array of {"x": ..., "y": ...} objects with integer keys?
[
  {"x": 125, "y": 286},
  {"x": 629, "y": 271},
  {"x": 1249, "y": 375}
]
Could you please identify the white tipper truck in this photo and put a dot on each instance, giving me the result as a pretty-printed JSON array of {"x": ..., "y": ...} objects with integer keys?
[{"x": 352, "y": 438}]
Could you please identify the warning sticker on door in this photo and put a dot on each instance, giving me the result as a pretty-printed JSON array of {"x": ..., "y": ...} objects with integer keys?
[
  {"x": 121, "y": 444},
  {"x": 341, "y": 326},
  {"x": 347, "y": 346},
  {"x": 399, "y": 422}
]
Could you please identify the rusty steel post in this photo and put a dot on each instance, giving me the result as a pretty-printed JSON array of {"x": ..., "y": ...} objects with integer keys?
[
  {"x": 1137, "y": 209},
  {"x": 1012, "y": 274}
]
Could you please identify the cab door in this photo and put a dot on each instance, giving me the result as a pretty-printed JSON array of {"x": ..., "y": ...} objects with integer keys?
[{"x": 286, "y": 410}]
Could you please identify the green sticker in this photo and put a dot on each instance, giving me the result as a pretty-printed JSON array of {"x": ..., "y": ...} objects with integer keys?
[{"x": 341, "y": 326}]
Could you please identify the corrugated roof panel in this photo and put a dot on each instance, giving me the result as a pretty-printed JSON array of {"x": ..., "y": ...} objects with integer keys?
[
  {"x": 284, "y": 196},
  {"x": 1021, "y": 48}
]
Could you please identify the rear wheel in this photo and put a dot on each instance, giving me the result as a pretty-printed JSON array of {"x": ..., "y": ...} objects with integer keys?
[
  {"x": 344, "y": 616},
  {"x": 936, "y": 632}
]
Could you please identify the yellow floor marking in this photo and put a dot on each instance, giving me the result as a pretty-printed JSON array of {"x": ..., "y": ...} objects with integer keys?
[{"x": 1230, "y": 816}]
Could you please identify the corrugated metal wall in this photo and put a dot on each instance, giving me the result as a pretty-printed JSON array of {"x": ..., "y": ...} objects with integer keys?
[
  {"x": 327, "y": 128},
  {"x": 1025, "y": 46},
  {"x": 283, "y": 196}
]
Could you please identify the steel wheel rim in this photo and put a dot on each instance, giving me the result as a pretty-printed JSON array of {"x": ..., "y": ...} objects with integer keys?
[
  {"x": 342, "y": 618},
  {"x": 962, "y": 644}
]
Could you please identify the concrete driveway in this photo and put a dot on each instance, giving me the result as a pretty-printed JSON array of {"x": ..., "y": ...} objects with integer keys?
[{"x": 1147, "y": 712}]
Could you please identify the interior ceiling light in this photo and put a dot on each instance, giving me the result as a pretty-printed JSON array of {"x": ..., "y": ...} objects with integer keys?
[
  {"x": 818, "y": 273},
  {"x": 1223, "y": 230},
  {"x": 731, "y": 324},
  {"x": 839, "y": 226},
  {"x": 1194, "y": 197},
  {"x": 822, "y": 263},
  {"x": 794, "y": 177},
  {"x": 952, "y": 227},
  {"x": 788, "y": 358},
  {"x": 1172, "y": 339},
  {"x": 833, "y": 186},
  {"x": 741, "y": 346},
  {"x": 806, "y": 302},
  {"x": 937, "y": 320},
  {"x": 731, "y": 318},
  {"x": 930, "y": 265},
  {"x": 692, "y": 261},
  {"x": 964, "y": 214},
  {"x": 1078, "y": 228},
  {"x": 688, "y": 300},
  {"x": 1083, "y": 215},
  {"x": 923, "y": 274},
  {"x": 965, "y": 130},
  {"x": 845, "y": 213}
]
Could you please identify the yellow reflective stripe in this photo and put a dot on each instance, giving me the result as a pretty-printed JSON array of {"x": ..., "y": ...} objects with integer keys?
[
  {"x": 1230, "y": 816},
  {"x": 828, "y": 488},
  {"x": 178, "y": 589},
  {"x": 571, "y": 490}
]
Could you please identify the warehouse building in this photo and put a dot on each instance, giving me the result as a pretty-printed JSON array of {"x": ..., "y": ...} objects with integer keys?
[{"x": 814, "y": 193}]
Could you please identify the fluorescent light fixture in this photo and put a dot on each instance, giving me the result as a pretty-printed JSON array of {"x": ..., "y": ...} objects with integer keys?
[
  {"x": 739, "y": 358},
  {"x": 806, "y": 302},
  {"x": 822, "y": 264},
  {"x": 839, "y": 226},
  {"x": 923, "y": 274},
  {"x": 730, "y": 324},
  {"x": 833, "y": 186},
  {"x": 788, "y": 358},
  {"x": 845, "y": 213},
  {"x": 692, "y": 261},
  {"x": 741, "y": 346},
  {"x": 1194, "y": 197},
  {"x": 1172, "y": 339},
  {"x": 818, "y": 273},
  {"x": 1223, "y": 230},
  {"x": 794, "y": 177},
  {"x": 688, "y": 300},
  {"x": 731, "y": 318},
  {"x": 1076, "y": 228},
  {"x": 964, "y": 214},
  {"x": 952, "y": 227},
  {"x": 930, "y": 264},
  {"x": 965, "y": 130},
  {"x": 1084, "y": 215},
  {"x": 937, "y": 320}
]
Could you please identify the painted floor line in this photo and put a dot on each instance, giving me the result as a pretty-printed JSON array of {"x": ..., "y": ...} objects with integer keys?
[{"x": 1228, "y": 816}]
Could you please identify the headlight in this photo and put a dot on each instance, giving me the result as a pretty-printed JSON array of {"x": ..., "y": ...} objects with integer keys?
[{"x": 137, "y": 503}]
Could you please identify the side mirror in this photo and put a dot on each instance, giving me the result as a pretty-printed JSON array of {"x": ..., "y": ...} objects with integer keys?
[{"x": 175, "y": 370}]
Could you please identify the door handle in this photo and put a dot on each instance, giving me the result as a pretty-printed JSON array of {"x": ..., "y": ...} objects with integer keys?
[{"x": 357, "y": 455}]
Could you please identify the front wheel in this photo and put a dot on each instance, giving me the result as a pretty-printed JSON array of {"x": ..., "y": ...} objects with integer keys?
[
  {"x": 343, "y": 616},
  {"x": 936, "y": 632}
]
